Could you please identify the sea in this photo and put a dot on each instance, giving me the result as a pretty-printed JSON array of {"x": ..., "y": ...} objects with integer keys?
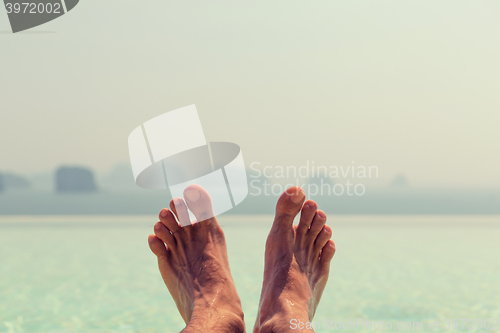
[{"x": 429, "y": 273}]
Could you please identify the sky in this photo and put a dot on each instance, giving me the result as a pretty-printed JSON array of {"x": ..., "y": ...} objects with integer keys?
[{"x": 408, "y": 86}]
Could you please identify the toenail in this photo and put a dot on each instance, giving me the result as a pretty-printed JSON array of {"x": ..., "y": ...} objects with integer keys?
[
  {"x": 158, "y": 226},
  {"x": 297, "y": 197},
  {"x": 163, "y": 213},
  {"x": 322, "y": 214},
  {"x": 192, "y": 195}
]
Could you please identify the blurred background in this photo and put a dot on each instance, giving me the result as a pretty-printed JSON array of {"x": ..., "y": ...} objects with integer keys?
[{"x": 409, "y": 87}]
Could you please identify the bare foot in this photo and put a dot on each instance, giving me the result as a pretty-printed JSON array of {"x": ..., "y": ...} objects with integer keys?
[
  {"x": 194, "y": 265},
  {"x": 297, "y": 263}
]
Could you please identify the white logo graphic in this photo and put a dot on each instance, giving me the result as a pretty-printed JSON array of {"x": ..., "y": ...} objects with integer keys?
[{"x": 170, "y": 151}]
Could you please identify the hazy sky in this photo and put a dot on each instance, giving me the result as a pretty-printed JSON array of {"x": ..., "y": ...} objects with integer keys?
[{"x": 409, "y": 86}]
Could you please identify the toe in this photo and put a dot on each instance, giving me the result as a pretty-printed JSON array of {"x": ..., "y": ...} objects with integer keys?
[
  {"x": 172, "y": 209},
  {"x": 199, "y": 202},
  {"x": 164, "y": 234},
  {"x": 157, "y": 246},
  {"x": 306, "y": 216},
  {"x": 181, "y": 211},
  {"x": 317, "y": 224},
  {"x": 327, "y": 252},
  {"x": 168, "y": 220},
  {"x": 187, "y": 229},
  {"x": 288, "y": 207},
  {"x": 324, "y": 235}
]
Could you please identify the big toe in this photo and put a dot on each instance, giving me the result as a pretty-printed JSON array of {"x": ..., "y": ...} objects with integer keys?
[
  {"x": 288, "y": 206},
  {"x": 199, "y": 202}
]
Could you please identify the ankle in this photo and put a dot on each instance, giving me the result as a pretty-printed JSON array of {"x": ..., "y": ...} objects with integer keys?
[
  {"x": 282, "y": 323},
  {"x": 216, "y": 319},
  {"x": 228, "y": 324},
  {"x": 280, "y": 315}
]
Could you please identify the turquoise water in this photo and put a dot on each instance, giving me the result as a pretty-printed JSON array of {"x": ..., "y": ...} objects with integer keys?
[{"x": 96, "y": 274}]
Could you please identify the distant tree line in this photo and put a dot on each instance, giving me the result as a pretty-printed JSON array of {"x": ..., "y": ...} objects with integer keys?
[
  {"x": 75, "y": 179},
  {"x": 10, "y": 180},
  {"x": 67, "y": 179}
]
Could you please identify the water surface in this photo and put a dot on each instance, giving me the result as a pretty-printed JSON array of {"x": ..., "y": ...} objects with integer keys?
[{"x": 96, "y": 273}]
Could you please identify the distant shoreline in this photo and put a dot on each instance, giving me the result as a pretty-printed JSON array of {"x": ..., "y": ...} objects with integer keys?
[{"x": 139, "y": 202}]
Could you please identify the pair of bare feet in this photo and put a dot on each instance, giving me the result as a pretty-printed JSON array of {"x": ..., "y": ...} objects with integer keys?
[{"x": 194, "y": 264}]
